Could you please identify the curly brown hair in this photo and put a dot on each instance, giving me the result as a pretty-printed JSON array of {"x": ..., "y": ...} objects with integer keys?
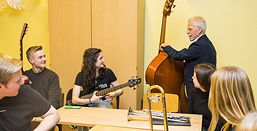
[{"x": 88, "y": 67}]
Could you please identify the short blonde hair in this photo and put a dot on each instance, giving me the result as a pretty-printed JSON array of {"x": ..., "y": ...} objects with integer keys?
[
  {"x": 30, "y": 52},
  {"x": 231, "y": 95},
  {"x": 248, "y": 123},
  {"x": 8, "y": 66}
]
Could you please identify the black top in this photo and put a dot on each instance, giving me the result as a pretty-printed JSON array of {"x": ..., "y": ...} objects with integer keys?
[
  {"x": 198, "y": 104},
  {"x": 102, "y": 83},
  {"x": 17, "y": 112},
  {"x": 47, "y": 84},
  {"x": 201, "y": 51}
]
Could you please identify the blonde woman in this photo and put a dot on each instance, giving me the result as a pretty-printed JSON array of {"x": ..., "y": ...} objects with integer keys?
[
  {"x": 231, "y": 97},
  {"x": 248, "y": 123}
]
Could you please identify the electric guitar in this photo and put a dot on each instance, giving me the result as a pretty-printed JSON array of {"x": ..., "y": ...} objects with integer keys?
[{"x": 130, "y": 83}]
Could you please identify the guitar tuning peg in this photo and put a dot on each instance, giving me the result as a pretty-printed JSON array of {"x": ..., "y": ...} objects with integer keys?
[{"x": 135, "y": 87}]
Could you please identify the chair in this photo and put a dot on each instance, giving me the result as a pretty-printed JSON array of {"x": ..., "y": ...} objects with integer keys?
[
  {"x": 61, "y": 100},
  {"x": 116, "y": 100},
  {"x": 58, "y": 127},
  {"x": 171, "y": 102}
]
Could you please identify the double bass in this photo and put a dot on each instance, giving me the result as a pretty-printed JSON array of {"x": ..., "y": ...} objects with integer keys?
[{"x": 164, "y": 70}]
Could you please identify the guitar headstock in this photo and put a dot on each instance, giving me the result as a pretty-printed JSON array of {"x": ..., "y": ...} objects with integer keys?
[
  {"x": 24, "y": 30},
  {"x": 132, "y": 82},
  {"x": 167, "y": 7}
]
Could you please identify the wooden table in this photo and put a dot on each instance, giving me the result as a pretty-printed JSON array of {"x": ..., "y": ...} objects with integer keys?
[
  {"x": 116, "y": 118},
  {"x": 112, "y": 128}
]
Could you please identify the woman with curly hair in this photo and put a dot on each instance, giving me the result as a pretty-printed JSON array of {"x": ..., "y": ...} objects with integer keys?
[
  {"x": 94, "y": 76},
  {"x": 231, "y": 97}
]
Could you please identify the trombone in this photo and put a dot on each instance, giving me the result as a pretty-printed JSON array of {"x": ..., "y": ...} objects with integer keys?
[{"x": 165, "y": 121}]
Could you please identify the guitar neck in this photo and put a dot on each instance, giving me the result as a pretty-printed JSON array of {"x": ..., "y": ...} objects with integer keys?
[
  {"x": 25, "y": 26},
  {"x": 21, "y": 53},
  {"x": 106, "y": 91}
]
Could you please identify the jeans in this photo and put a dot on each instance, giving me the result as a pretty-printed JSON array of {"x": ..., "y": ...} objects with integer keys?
[{"x": 102, "y": 104}]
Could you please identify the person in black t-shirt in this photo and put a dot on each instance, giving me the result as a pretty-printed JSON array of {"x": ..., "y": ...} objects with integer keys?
[
  {"x": 20, "y": 103},
  {"x": 94, "y": 76},
  {"x": 198, "y": 100}
]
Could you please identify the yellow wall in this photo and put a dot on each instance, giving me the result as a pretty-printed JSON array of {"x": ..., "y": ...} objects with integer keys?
[
  {"x": 231, "y": 26},
  {"x": 11, "y": 23}
]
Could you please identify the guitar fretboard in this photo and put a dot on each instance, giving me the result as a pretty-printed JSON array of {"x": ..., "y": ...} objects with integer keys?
[{"x": 106, "y": 91}]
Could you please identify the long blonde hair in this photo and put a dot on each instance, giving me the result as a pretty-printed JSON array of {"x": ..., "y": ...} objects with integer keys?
[{"x": 231, "y": 95}]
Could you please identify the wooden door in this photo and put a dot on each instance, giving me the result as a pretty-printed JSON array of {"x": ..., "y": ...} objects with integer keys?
[
  {"x": 70, "y": 35},
  {"x": 115, "y": 26},
  {"x": 116, "y": 30}
]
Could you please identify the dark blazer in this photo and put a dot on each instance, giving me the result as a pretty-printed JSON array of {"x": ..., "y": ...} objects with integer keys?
[{"x": 201, "y": 51}]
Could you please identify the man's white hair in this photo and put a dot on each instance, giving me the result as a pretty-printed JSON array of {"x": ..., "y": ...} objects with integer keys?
[{"x": 199, "y": 21}]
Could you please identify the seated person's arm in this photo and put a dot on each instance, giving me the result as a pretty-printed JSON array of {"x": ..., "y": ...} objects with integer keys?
[
  {"x": 114, "y": 93},
  {"x": 50, "y": 119},
  {"x": 78, "y": 101},
  {"x": 54, "y": 92}
]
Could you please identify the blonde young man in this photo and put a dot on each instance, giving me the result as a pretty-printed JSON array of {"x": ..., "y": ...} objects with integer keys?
[
  {"x": 45, "y": 81},
  {"x": 19, "y": 103}
]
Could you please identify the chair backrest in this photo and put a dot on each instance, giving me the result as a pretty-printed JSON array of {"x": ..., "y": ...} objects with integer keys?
[
  {"x": 171, "y": 102},
  {"x": 116, "y": 102},
  {"x": 61, "y": 100}
]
